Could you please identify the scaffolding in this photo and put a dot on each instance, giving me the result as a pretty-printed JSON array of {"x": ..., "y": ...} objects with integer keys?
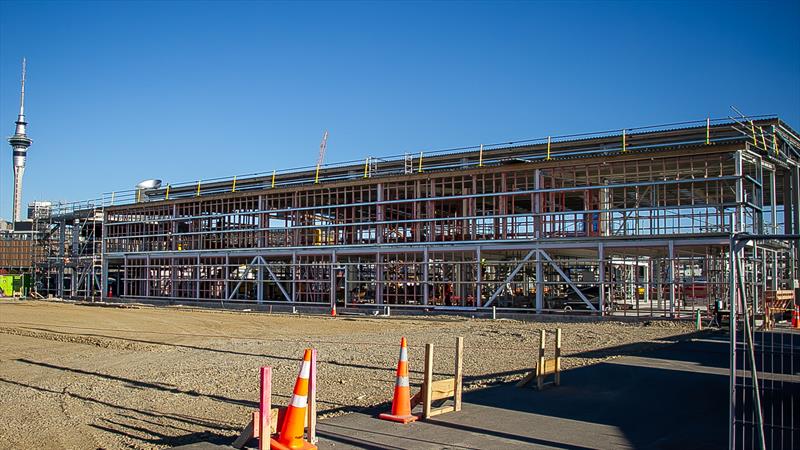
[{"x": 634, "y": 222}]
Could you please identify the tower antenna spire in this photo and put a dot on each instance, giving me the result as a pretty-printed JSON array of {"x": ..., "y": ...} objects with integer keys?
[
  {"x": 22, "y": 94},
  {"x": 19, "y": 145}
]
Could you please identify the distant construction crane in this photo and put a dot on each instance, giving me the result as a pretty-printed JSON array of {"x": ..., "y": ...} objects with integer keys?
[{"x": 322, "y": 146}]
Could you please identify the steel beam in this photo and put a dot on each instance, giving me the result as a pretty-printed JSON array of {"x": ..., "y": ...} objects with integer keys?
[
  {"x": 275, "y": 279},
  {"x": 568, "y": 280},
  {"x": 247, "y": 270},
  {"x": 510, "y": 277}
]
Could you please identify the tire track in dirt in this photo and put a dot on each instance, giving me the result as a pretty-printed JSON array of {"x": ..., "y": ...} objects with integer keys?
[{"x": 108, "y": 343}]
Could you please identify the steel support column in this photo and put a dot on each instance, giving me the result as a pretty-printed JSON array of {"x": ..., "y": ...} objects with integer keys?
[
  {"x": 601, "y": 274},
  {"x": 294, "y": 276},
  {"x": 379, "y": 278},
  {"x": 540, "y": 284},
  {"x": 671, "y": 277},
  {"x": 333, "y": 279},
  {"x": 478, "y": 300},
  {"x": 260, "y": 281},
  {"x": 425, "y": 281}
]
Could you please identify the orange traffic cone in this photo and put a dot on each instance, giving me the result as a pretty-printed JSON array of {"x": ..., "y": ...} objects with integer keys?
[
  {"x": 333, "y": 311},
  {"x": 401, "y": 404},
  {"x": 796, "y": 317},
  {"x": 293, "y": 427}
]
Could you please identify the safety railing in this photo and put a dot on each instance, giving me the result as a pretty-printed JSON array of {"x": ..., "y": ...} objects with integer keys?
[{"x": 479, "y": 156}]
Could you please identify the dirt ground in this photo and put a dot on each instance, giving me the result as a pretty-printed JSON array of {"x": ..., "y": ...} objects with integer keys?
[{"x": 88, "y": 377}]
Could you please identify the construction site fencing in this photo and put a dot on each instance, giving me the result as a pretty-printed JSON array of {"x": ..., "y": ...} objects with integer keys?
[{"x": 764, "y": 388}]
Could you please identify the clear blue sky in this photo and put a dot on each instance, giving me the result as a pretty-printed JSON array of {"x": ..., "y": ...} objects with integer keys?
[{"x": 119, "y": 92}]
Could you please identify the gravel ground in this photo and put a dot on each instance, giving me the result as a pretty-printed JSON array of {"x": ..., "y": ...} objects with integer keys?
[{"x": 81, "y": 377}]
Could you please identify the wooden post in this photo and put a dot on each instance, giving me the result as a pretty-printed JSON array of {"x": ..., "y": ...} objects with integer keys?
[
  {"x": 540, "y": 365},
  {"x": 458, "y": 374},
  {"x": 312, "y": 399},
  {"x": 558, "y": 356},
  {"x": 265, "y": 408},
  {"x": 428, "y": 381}
]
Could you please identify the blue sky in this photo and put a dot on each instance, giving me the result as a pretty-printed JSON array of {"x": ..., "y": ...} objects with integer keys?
[{"x": 118, "y": 92}]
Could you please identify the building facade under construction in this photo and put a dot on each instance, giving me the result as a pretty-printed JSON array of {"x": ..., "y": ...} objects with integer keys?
[{"x": 636, "y": 221}]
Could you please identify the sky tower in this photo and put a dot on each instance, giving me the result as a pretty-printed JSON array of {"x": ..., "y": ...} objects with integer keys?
[{"x": 19, "y": 144}]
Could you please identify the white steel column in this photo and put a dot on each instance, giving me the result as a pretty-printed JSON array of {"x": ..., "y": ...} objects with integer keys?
[
  {"x": 478, "y": 301},
  {"x": 538, "y": 232},
  {"x": 601, "y": 273},
  {"x": 294, "y": 276},
  {"x": 425, "y": 284},
  {"x": 378, "y": 278},
  {"x": 671, "y": 277},
  {"x": 103, "y": 262},
  {"x": 260, "y": 281},
  {"x": 739, "y": 165},
  {"x": 227, "y": 272},
  {"x": 123, "y": 278},
  {"x": 197, "y": 281},
  {"x": 732, "y": 362},
  {"x": 333, "y": 279},
  {"x": 539, "y": 283}
]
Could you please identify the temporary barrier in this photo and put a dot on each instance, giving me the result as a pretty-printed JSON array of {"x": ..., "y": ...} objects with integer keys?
[
  {"x": 401, "y": 402},
  {"x": 545, "y": 366},
  {"x": 776, "y": 303},
  {"x": 440, "y": 390},
  {"x": 262, "y": 429}
]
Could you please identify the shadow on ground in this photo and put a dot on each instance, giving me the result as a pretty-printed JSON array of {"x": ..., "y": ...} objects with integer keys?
[{"x": 670, "y": 397}]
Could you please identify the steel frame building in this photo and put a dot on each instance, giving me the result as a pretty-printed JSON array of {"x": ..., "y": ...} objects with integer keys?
[{"x": 635, "y": 221}]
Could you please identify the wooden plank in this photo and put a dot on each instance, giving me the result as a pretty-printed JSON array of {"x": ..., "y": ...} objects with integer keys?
[
  {"x": 558, "y": 357},
  {"x": 264, "y": 406},
  {"x": 428, "y": 383},
  {"x": 458, "y": 374},
  {"x": 311, "y": 416},
  {"x": 438, "y": 411},
  {"x": 527, "y": 379},
  {"x": 549, "y": 367},
  {"x": 417, "y": 398},
  {"x": 276, "y": 414},
  {"x": 541, "y": 365},
  {"x": 245, "y": 436},
  {"x": 442, "y": 389}
]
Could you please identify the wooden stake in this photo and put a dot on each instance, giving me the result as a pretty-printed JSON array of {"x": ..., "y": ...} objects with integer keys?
[
  {"x": 540, "y": 365},
  {"x": 312, "y": 399},
  {"x": 428, "y": 381},
  {"x": 458, "y": 374},
  {"x": 558, "y": 356},
  {"x": 265, "y": 408}
]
